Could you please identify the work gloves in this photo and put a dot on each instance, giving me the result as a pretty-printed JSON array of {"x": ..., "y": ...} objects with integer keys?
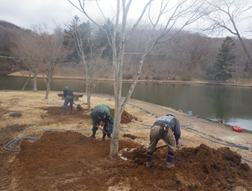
[{"x": 177, "y": 137}]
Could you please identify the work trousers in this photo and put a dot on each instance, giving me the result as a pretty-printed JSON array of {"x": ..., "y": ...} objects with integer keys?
[
  {"x": 68, "y": 99},
  {"x": 169, "y": 139},
  {"x": 105, "y": 129}
]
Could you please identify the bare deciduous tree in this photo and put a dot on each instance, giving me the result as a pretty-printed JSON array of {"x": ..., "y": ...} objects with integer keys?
[
  {"x": 168, "y": 15},
  {"x": 228, "y": 15},
  {"x": 53, "y": 53},
  {"x": 89, "y": 53},
  {"x": 30, "y": 52}
]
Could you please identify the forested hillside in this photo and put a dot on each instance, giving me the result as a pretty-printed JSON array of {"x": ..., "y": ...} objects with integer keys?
[
  {"x": 8, "y": 34},
  {"x": 187, "y": 56}
]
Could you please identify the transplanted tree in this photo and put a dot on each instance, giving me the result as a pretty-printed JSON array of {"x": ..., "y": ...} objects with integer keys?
[
  {"x": 222, "y": 69},
  {"x": 82, "y": 38},
  {"x": 168, "y": 10}
]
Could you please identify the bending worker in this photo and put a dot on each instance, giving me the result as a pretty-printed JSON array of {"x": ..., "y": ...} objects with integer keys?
[
  {"x": 68, "y": 95},
  {"x": 101, "y": 116},
  {"x": 166, "y": 128}
]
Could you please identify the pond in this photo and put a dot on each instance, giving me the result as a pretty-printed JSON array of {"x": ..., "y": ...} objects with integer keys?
[{"x": 230, "y": 103}]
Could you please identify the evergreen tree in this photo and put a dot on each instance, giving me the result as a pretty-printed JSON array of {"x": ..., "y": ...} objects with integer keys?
[
  {"x": 82, "y": 31},
  {"x": 103, "y": 39},
  {"x": 221, "y": 70}
]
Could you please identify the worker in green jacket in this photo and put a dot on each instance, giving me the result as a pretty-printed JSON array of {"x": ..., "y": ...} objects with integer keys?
[{"x": 101, "y": 116}]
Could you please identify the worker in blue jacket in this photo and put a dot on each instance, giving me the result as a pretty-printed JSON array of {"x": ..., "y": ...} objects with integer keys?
[
  {"x": 101, "y": 115},
  {"x": 166, "y": 128},
  {"x": 68, "y": 95}
]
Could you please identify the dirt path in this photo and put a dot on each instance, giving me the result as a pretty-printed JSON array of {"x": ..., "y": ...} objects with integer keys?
[{"x": 67, "y": 159}]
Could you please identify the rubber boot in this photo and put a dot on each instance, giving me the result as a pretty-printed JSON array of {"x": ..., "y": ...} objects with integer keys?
[
  {"x": 169, "y": 160},
  {"x": 103, "y": 136},
  {"x": 93, "y": 135},
  {"x": 148, "y": 160},
  {"x": 105, "y": 132}
]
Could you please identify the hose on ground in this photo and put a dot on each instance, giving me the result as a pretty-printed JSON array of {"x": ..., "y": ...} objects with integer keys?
[
  {"x": 198, "y": 121},
  {"x": 9, "y": 146}
]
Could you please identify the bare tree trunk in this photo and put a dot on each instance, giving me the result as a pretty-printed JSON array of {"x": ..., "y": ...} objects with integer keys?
[
  {"x": 88, "y": 92},
  {"x": 133, "y": 85},
  {"x": 117, "y": 62},
  {"x": 48, "y": 86},
  {"x": 35, "y": 77},
  {"x": 244, "y": 47},
  {"x": 181, "y": 9},
  {"x": 26, "y": 82},
  {"x": 117, "y": 118},
  {"x": 117, "y": 122},
  {"x": 87, "y": 83},
  {"x": 47, "y": 91},
  {"x": 88, "y": 101}
]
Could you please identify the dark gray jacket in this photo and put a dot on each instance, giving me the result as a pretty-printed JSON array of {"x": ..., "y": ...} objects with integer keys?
[
  {"x": 68, "y": 92},
  {"x": 172, "y": 123}
]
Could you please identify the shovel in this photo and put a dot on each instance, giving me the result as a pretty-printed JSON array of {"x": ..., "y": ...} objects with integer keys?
[
  {"x": 100, "y": 126},
  {"x": 78, "y": 106},
  {"x": 166, "y": 146}
]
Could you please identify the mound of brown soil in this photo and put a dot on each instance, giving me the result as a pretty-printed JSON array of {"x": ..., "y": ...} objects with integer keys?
[
  {"x": 71, "y": 161},
  {"x": 126, "y": 117},
  {"x": 82, "y": 114},
  {"x": 57, "y": 112}
]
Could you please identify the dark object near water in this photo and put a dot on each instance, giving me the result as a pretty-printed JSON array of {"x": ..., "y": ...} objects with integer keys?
[{"x": 15, "y": 114}]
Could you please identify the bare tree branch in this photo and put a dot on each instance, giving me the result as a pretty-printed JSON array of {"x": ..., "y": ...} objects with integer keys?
[
  {"x": 167, "y": 11},
  {"x": 233, "y": 11}
]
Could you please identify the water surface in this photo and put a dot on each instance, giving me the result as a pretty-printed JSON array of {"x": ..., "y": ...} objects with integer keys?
[{"x": 230, "y": 103}]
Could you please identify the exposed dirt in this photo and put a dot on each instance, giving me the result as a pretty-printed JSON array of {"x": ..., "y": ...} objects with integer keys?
[
  {"x": 70, "y": 160},
  {"x": 56, "y": 114}
]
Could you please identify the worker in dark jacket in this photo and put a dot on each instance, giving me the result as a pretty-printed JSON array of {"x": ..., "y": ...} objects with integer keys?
[
  {"x": 166, "y": 128},
  {"x": 101, "y": 116},
  {"x": 68, "y": 95}
]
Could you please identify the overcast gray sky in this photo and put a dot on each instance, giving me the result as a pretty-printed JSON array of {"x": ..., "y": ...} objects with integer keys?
[{"x": 26, "y": 13}]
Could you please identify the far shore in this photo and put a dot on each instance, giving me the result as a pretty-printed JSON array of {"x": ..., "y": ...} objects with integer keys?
[{"x": 232, "y": 82}]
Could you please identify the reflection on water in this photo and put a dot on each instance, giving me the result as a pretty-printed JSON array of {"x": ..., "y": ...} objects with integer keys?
[{"x": 232, "y": 104}]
